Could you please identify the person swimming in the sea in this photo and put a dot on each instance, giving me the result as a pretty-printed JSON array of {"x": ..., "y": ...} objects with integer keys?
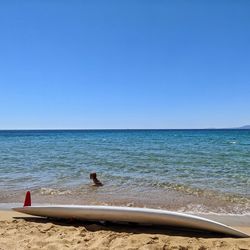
[{"x": 95, "y": 180}]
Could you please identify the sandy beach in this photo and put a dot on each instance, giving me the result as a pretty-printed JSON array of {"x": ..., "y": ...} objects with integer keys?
[{"x": 26, "y": 232}]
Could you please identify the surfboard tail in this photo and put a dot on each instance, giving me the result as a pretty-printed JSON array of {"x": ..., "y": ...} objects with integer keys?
[{"x": 27, "y": 201}]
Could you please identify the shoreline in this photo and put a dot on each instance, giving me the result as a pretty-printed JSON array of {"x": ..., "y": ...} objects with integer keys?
[
  {"x": 24, "y": 231},
  {"x": 167, "y": 199}
]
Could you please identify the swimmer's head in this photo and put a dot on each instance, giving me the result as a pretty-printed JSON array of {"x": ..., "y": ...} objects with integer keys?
[{"x": 92, "y": 176}]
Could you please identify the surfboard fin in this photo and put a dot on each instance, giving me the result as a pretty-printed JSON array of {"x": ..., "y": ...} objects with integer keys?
[{"x": 27, "y": 201}]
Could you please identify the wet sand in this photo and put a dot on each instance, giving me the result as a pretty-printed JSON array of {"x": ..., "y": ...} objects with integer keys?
[
  {"x": 168, "y": 199},
  {"x": 20, "y": 231}
]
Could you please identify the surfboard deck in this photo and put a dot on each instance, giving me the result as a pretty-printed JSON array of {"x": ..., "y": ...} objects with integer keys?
[{"x": 129, "y": 214}]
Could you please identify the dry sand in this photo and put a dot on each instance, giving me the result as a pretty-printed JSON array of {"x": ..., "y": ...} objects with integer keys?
[{"x": 26, "y": 232}]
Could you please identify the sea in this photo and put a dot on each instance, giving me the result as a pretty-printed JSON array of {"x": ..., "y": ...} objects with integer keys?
[{"x": 194, "y": 171}]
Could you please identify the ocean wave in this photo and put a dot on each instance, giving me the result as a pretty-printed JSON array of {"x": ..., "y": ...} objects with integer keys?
[
  {"x": 203, "y": 209},
  {"x": 51, "y": 191}
]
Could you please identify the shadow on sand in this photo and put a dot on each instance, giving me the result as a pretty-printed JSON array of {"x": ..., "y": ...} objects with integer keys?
[{"x": 134, "y": 228}]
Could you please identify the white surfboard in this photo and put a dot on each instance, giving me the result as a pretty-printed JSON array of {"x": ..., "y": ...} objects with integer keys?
[{"x": 128, "y": 214}]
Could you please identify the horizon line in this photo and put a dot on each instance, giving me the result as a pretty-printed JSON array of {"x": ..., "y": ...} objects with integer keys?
[{"x": 89, "y": 129}]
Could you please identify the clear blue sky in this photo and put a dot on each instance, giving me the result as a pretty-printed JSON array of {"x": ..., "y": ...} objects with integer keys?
[{"x": 124, "y": 64}]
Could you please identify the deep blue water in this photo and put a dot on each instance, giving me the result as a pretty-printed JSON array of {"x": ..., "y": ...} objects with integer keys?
[{"x": 184, "y": 160}]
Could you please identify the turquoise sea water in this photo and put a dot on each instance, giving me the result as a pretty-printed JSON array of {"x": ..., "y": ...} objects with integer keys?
[{"x": 207, "y": 170}]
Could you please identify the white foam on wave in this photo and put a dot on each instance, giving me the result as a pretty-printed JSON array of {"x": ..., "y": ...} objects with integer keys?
[
  {"x": 201, "y": 209},
  {"x": 51, "y": 191}
]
